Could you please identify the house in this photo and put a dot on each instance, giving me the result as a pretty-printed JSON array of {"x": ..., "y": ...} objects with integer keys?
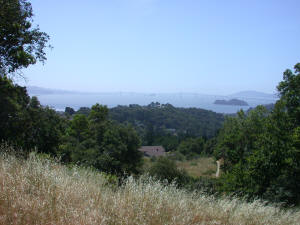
[{"x": 153, "y": 151}]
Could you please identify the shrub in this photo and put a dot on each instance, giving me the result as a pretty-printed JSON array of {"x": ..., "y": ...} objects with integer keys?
[{"x": 165, "y": 169}]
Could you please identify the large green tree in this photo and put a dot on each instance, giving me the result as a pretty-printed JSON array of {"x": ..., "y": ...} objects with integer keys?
[
  {"x": 94, "y": 140},
  {"x": 21, "y": 44},
  {"x": 238, "y": 136},
  {"x": 24, "y": 122},
  {"x": 119, "y": 152},
  {"x": 192, "y": 147},
  {"x": 13, "y": 117},
  {"x": 289, "y": 90},
  {"x": 261, "y": 149}
]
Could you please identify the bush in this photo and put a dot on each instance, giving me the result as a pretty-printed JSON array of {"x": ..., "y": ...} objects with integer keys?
[
  {"x": 165, "y": 169},
  {"x": 177, "y": 156}
]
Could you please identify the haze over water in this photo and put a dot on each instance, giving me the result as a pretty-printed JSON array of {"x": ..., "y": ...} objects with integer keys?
[{"x": 60, "y": 101}]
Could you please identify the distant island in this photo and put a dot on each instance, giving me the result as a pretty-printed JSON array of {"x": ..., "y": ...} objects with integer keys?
[{"x": 231, "y": 102}]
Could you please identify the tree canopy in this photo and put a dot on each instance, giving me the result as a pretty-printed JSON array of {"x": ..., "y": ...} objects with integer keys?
[
  {"x": 24, "y": 122},
  {"x": 21, "y": 44},
  {"x": 94, "y": 140},
  {"x": 161, "y": 119},
  {"x": 261, "y": 149},
  {"x": 289, "y": 90}
]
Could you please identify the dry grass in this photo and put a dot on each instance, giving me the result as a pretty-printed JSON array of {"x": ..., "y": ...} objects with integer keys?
[
  {"x": 204, "y": 166},
  {"x": 38, "y": 191}
]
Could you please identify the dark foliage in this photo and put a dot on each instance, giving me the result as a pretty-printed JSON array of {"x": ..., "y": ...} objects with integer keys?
[
  {"x": 24, "y": 122},
  {"x": 165, "y": 169},
  {"x": 167, "y": 118},
  {"x": 261, "y": 149},
  {"x": 96, "y": 141},
  {"x": 69, "y": 111},
  {"x": 20, "y": 44},
  {"x": 166, "y": 125}
]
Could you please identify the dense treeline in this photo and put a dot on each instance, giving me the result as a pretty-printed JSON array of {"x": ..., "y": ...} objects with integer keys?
[
  {"x": 189, "y": 131},
  {"x": 96, "y": 141},
  {"x": 261, "y": 149},
  {"x": 25, "y": 123},
  {"x": 165, "y": 117}
]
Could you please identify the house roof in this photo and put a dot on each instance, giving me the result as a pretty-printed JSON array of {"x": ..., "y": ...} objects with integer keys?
[{"x": 153, "y": 150}]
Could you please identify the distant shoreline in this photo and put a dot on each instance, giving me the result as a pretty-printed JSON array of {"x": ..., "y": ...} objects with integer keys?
[{"x": 59, "y": 101}]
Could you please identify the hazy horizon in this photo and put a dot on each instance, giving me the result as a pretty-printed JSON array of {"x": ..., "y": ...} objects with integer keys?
[
  {"x": 60, "y": 99},
  {"x": 154, "y": 46},
  {"x": 136, "y": 92}
]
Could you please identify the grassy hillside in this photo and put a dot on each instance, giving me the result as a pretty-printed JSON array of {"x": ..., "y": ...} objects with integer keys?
[
  {"x": 199, "y": 167},
  {"x": 39, "y": 191},
  {"x": 203, "y": 166}
]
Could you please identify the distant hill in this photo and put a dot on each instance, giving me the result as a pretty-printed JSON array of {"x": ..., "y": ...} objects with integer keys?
[
  {"x": 231, "y": 102},
  {"x": 59, "y": 99},
  {"x": 192, "y": 121},
  {"x": 253, "y": 94},
  {"x": 34, "y": 90}
]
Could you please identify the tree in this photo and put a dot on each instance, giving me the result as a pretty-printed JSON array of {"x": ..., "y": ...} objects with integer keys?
[
  {"x": 98, "y": 113},
  {"x": 14, "y": 101},
  {"x": 149, "y": 134},
  {"x": 24, "y": 122},
  {"x": 289, "y": 90},
  {"x": 119, "y": 151},
  {"x": 99, "y": 123},
  {"x": 96, "y": 141},
  {"x": 162, "y": 119},
  {"x": 270, "y": 166},
  {"x": 79, "y": 127},
  {"x": 69, "y": 111},
  {"x": 166, "y": 169},
  {"x": 238, "y": 136},
  {"x": 45, "y": 128},
  {"x": 261, "y": 149},
  {"x": 20, "y": 44},
  {"x": 191, "y": 147},
  {"x": 84, "y": 110}
]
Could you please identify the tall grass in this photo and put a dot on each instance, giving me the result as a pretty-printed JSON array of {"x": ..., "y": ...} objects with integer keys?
[
  {"x": 40, "y": 191},
  {"x": 203, "y": 166}
]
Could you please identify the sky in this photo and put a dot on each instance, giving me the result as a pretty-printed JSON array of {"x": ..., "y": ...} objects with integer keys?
[{"x": 166, "y": 46}]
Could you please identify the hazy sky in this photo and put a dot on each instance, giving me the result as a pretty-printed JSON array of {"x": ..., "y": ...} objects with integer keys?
[{"x": 202, "y": 46}]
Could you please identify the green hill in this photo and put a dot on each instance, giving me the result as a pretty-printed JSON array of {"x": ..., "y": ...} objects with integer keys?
[{"x": 165, "y": 117}]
